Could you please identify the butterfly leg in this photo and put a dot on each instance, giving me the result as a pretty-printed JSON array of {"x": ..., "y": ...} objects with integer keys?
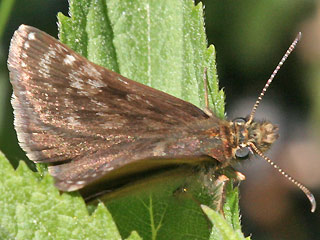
[
  {"x": 219, "y": 186},
  {"x": 222, "y": 181}
]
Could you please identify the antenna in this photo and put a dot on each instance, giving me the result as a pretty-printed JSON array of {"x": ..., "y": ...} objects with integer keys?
[
  {"x": 285, "y": 56},
  {"x": 291, "y": 179}
]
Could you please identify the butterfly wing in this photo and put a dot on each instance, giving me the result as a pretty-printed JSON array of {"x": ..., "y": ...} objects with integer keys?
[{"x": 70, "y": 112}]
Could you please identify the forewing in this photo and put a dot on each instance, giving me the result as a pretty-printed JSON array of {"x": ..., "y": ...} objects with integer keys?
[{"x": 67, "y": 108}]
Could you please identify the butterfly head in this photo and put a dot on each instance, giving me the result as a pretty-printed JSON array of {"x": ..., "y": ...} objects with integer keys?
[{"x": 262, "y": 134}]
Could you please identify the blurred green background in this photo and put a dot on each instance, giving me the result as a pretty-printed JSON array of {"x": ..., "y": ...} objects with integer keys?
[{"x": 250, "y": 38}]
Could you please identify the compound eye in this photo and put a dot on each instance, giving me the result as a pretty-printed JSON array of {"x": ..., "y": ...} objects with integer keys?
[
  {"x": 242, "y": 152},
  {"x": 239, "y": 121}
]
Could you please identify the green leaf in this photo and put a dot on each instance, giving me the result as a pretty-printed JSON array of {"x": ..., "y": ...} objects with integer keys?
[
  {"x": 32, "y": 208},
  {"x": 231, "y": 206},
  {"x": 222, "y": 229},
  {"x": 134, "y": 236},
  {"x": 158, "y": 208}
]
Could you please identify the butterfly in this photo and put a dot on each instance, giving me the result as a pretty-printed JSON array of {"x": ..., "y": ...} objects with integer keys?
[{"x": 96, "y": 127}]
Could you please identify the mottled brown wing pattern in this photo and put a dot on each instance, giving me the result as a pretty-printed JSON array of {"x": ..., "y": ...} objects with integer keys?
[{"x": 69, "y": 110}]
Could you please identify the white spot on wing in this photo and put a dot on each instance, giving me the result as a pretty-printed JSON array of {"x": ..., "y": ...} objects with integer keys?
[
  {"x": 31, "y": 36},
  {"x": 26, "y": 45},
  {"x": 100, "y": 104},
  {"x": 48, "y": 85},
  {"x": 91, "y": 71},
  {"x": 122, "y": 80},
  {"x": 75, "y": 81},
  {"x": 72, "y": 188},
  {"x": 43, "y": 73},
  {"x": 61, "y": 48},
  {"x": 84, "y": 93},
  {"x": 72, "y": 121},
  {"x": 69, "y": 59},
  {"x": 108, "y": 168},
  {"x": 80, "y": 182},
  {"x": 25, "y": 77},
  {"x": 76, "y": 84},
  {"x": 94, "y": 175},
  {"x": 149, "y": 103},
  {"x": 96, "y": 83},
  {"x": 132, "y": 97},
  {"x": 46, "y": 62}
]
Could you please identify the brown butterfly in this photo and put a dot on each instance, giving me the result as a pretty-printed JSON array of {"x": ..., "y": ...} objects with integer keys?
[{"x": 94, "y": 126}]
